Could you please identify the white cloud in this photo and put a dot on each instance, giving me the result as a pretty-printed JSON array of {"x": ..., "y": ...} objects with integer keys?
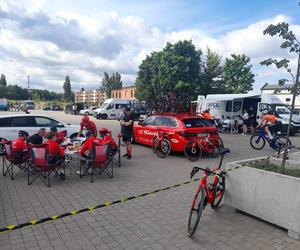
[{"x": 51, "y": 46}]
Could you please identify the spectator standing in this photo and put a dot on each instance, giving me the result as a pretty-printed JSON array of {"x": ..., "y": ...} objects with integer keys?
[
  {"x": 245, "y": 118},
  {"x": 121, "y": 120},
  {"x": 127, "y": 133},
  {"x": 252, "y": 119}
]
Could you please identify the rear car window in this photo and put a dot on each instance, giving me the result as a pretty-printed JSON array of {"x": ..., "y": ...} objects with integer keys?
[
  {"x": 196, "y": 122},
  {"x": 45, "y": 122}
]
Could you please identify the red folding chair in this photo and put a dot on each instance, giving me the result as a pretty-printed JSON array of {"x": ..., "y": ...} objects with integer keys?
[
  {"x": 40, "y": 167},
  {"x": 100, "y": 161},
  {"x": 14, "y": 158}
]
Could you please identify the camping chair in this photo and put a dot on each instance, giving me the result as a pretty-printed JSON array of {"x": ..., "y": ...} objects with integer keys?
[
  {"x": 2, "y": 151},
  {"x": 116, "y": 154},
  {"x": 14, "y": 158},
  {"x": 99, "y": 161},
  {"x": 40, "y": 166}
]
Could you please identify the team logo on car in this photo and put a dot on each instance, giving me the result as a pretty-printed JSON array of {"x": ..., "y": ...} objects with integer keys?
[{"x": 174, "y": 140}]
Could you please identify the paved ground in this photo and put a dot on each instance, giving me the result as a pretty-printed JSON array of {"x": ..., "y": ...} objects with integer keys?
[{"x": 154, "y": 222}]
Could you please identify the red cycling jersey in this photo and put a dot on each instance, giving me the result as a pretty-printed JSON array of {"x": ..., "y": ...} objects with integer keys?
[
  {"x": 54, "y": 148},
  {"x": 108, "y": 139},
  {"x": 87, "y": 145},
  {"x": 90, "y": 125},
  {"x": 18, "y": 144}
]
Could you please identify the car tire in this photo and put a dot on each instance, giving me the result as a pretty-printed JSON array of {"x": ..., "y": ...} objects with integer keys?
[{"x": 104, "y": 116}]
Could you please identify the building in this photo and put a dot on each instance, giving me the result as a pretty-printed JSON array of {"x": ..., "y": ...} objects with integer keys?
[
  {"x": 283, "y": 93},
  {"x": 124, "y": 93},
  {"x": 90, "y": 96}
]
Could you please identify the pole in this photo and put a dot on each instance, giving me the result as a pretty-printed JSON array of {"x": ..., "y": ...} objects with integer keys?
[
  {"x": 28, "y": 77},
  {"x": 295, "y": 89}
]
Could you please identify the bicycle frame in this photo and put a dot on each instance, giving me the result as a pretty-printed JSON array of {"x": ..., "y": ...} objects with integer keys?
[
  {"x": 205, "y": 144},
  {"x": 262, "y": 134}
]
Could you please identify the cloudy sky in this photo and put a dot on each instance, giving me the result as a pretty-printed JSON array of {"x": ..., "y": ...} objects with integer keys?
[{"x": 51, "y": 39}]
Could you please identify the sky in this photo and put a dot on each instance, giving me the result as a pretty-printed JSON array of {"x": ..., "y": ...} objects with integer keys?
[{"x": 48, "y": 40}]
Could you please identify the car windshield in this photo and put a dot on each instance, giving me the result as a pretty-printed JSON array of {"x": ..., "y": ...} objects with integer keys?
[
  {"x": 103, "y": 106},
  {"x": 282, "y": 110},
  {"x": 196, "y": 122}
]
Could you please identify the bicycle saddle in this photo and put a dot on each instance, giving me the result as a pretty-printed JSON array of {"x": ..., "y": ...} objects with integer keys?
[{"x": 224, "y": 151}]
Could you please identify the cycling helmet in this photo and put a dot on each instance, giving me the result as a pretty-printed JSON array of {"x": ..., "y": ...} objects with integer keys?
[
  {"x": 103, "y": 131},
  {"x": 85, "y": 119},
  {"x": 23, "y": 133}
]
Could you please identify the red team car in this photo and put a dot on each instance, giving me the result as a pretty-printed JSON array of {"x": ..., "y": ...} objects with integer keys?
[{"x": 182, "y": 129}]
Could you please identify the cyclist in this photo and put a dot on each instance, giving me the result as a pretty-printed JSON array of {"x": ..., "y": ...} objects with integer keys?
[
  {"x": 208, "y": 116},
  {"x": 88, "y": 124},
  {"x": 269, "y": 122},
  {"x": 127, "y": 133}
]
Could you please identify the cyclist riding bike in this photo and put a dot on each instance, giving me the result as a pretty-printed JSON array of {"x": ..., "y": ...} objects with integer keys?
[{"x": 270, "y": 123}]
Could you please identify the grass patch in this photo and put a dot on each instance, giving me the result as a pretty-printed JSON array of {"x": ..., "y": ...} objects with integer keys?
[{"x": 276, "y": 169}]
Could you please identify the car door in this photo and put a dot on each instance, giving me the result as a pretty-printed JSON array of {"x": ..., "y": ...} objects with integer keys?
[
  {"x": 17, "y": 123},
  {"x": 147, "y": 130}
]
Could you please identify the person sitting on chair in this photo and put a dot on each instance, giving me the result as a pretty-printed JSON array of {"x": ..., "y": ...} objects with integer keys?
[
  {"x": 88, "y": 144},
  {"x": 37, "y": 138},
  {"x": 20, "y": 143},
  {"x": 55, "y": 153},
  {"x": 60, "y": 136},
  {"x": 106, "y": 137}
]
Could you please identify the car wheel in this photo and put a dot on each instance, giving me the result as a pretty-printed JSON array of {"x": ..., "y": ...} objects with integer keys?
[{"x": 104, "y": 116}]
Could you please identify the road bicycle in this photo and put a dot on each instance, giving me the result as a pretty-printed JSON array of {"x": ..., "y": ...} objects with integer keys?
[
  {"x": 194, "y": 149},
  {"x": 258, "y": 141},
  {"x": 161, "y": 145},
  {"x": 207, "y": 193}
]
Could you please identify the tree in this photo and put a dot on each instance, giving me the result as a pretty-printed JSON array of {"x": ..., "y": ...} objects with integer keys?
[
  {"x": 293, "y": 45},
  {"x": 237, "y": 74},
  {"x": 3, "y": 80},
  {"x": 174, "y": 69},
  {"x": 67, "y": 89},
  {"x": 82, "y": 89},
  {"x": 212, "y": 82},
  {"x": 110, "y": 82}
]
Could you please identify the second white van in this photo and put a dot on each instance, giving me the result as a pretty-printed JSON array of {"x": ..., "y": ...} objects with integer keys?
[{"x": 111, "y": 108}]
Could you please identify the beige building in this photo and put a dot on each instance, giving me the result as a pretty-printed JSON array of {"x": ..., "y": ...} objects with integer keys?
[
  {"x": 90, "y": 96},
  {"x": 124, "y": 93}
]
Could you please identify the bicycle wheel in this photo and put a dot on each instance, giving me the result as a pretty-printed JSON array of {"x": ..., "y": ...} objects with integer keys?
[
  {"x": 192, "y": 151},
  {"x": 257, "y": 142},
  {"x": 280, "y": 142},
  {"x": 219, "y": 190},
  {"x": 163, "y": 148},
  {"x": 196, "y": 211}
]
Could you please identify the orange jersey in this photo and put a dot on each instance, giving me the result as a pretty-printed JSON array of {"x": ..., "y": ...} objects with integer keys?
[
  {"x": 207, "y": 116},
  {"x": 270, "y": 118}
]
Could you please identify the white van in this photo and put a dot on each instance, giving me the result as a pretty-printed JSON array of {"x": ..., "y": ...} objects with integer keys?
[
  {"x": 111, "y": 108},
  {"x": 232, "y": 105}
]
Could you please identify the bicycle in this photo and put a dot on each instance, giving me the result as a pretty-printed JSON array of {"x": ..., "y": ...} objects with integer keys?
[
  {"x": 161, "y": 145},
  {"x": 211, "y": 193},
  {"x": 258, "y": 141},
  {"x": 194, "y": 149}
]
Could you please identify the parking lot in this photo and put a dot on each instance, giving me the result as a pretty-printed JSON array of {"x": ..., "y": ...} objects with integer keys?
[{"x": 157, "y": 221}]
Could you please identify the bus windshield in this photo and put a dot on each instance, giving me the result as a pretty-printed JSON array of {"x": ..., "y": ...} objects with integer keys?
[{"x": 281, "y": 109}]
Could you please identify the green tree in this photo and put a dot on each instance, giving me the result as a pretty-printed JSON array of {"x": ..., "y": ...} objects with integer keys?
[
  {"x": 3, "y": 80},
  {"x": 110, "y": 82},
  {"x": 293, "y": 45},
  {"x": 67, "y": 89},
  {"x": 175, "y": 68},
  {"x": 212, "y": 82},
  {"x": 237, "y": 74}
]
